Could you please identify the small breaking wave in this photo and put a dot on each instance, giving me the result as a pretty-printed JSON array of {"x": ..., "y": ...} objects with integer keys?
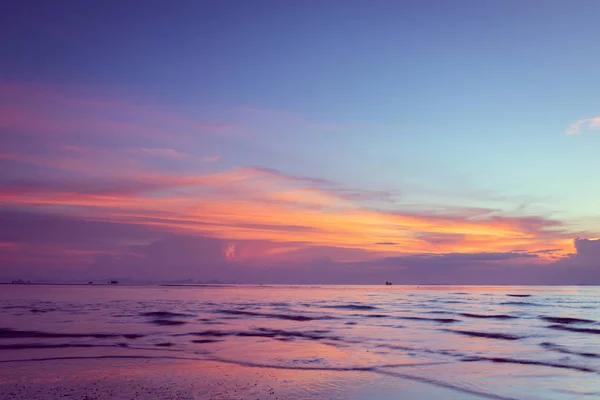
[
  {"x": 167, "y": 322},
  {"x": 490, "y": 316},
  {"x": 487, "y": 335},
  {"x": 371, "y": 315},
  {"x": 574, "y": 329},
  {"x": 351, "y": 307},
  {"x": 6, "y": 333},
  {"x": 204, "y": 341},
  {"x": 567, "y": 320},
  {"x": 133, "y": 336},
  {"x": 267, "y": 333},
  {"x": 521, "y": 303},
  {"x": 165, "y": 314},
  {"x": 503, "y": 360},
  {"x": 450, "y": 353},
  {"x": 290, "y": 317},
  {"x": 578, "y": 392},
  {"x": 273, "y": 333},
  {"x": 41, "y": 310},
  {"x": 440, "y": 320},
  {"x": 30, "y": 346},
  {"x": 564, "y": 350}
]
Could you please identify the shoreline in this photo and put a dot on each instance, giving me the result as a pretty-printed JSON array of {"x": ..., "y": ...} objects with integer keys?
[{"x": 121, "y": 378}]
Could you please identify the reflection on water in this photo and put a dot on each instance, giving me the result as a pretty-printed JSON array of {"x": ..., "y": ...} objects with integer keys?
[{"x": 496, "y": 342}]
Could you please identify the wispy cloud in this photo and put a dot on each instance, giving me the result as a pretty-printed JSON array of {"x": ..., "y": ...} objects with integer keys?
[
  {"x": 583, "y": 124},
  {"x": 38, "y": 111},
  {"x": 212, "y": 159},
  {"x": 255, "y": 203},
  {"x": 160, "y": 152},
  {"x": 139, "y": 178}
]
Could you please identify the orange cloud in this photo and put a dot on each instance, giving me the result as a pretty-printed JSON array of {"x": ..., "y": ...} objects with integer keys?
[{"x": 249, "y": 204}]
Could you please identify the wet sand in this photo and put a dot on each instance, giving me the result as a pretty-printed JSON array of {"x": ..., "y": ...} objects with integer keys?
[{"x": 186, "y": 380}]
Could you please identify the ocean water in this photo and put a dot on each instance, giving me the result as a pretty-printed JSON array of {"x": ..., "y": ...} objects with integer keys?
[{"x": 484, "y": 342}]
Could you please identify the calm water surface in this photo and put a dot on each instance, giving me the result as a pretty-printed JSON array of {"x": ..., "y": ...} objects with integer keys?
[{"x": 493, "y": 342}]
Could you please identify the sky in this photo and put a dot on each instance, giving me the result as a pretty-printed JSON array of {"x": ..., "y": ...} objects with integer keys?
[{"x": 300, "y": 142}]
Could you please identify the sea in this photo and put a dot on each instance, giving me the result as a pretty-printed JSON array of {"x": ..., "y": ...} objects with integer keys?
[{"x": 498, "y": 342}]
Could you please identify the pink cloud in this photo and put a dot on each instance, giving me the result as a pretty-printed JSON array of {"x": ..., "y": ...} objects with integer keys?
[
  {"x": 46, "y": 110},
  {"x": 160, "y": 152},
  {"x": 212, "y": 159},
  {"x": 587, "y": 123}
]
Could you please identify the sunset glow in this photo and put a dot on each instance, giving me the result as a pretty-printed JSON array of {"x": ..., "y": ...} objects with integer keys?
[{"x": 256, "y": 166}]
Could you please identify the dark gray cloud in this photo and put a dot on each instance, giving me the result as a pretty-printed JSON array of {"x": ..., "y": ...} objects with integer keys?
[
  {"x": 20, "y": 226},
  {"x": 588, "y": 251},
  {"x": 113, "y": 187},
  {"x": 170, "y": 258}
]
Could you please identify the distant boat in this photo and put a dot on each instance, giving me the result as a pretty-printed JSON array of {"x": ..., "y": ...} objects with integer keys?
[
  {"x": 114, "y": 282},
  {"x": 388, "y": 283},
  {"x": 20, "y": 282}
]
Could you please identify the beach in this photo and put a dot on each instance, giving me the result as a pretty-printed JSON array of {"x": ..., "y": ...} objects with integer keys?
[
  {"x": 298, "y": 342},
  {"x": 183, "y": 380}
]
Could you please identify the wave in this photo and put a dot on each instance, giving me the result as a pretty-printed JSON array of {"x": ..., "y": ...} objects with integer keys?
[
  {"x": 30, "y": 346},
  {"x": 487, "y": 335},
  {"x": 440, "y": 320},
  {"x": 351, "y": 307},
  {"x": 167, "y": 322},
  {"x": 208, "y": 321},
  {"x": 165, "y": 314},
  {"x": 446, "y": 385},
  {"x": 503, "y": 360},
  {"x": 273, "y": 333},
  {"x": 38, "y": 346},
  {"x": 491, "y": 316},
  {"x": 578, "y": 392},
  {"x": 561, "y": 349},
  {"x": 451, "y": 353},
  {"x": 276, "y": 316},
  {"x": 567, "y": 320},
  {"x": 574, "y": 329},
  {"x": 520, "y": 303},
  {"x": 267, "y": 333},
  {"x": 6, "y": 333},
  {"x": 41, "y": 310},
  {"x": 371, "y": 315},
  {"x": 203, "y": 341}
]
